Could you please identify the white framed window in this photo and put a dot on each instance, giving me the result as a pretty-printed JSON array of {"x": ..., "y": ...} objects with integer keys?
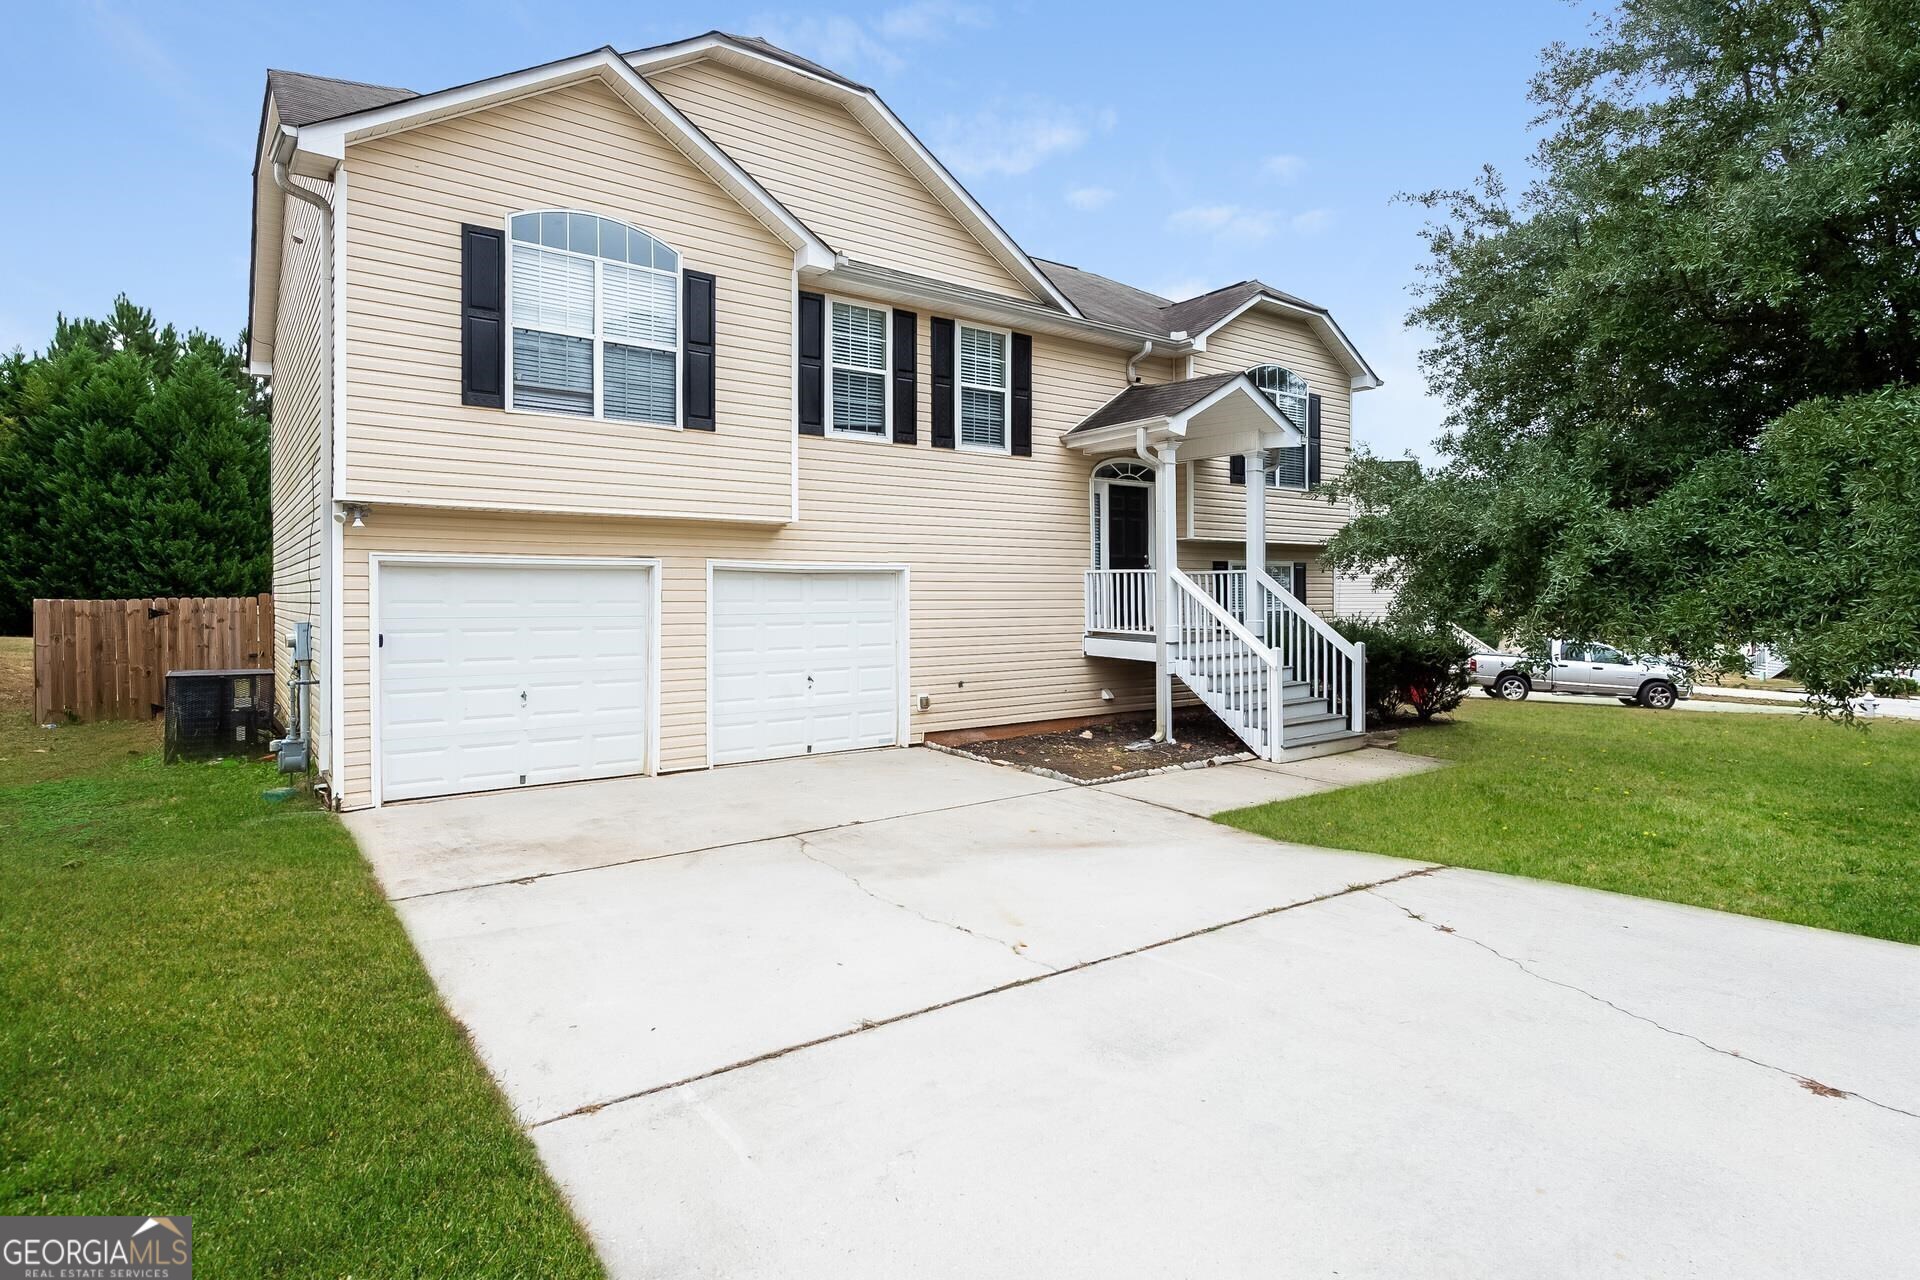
[
  {"x": 1286, "y": 468},
  {"x": 594, "y": 307},
  {"x": 982, "y": 384},
  {"x": 859, "y": 390}
]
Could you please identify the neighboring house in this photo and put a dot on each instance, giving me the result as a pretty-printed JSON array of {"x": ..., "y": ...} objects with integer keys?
[
  {"x": 1361, "y": 595},
  {"x": 653, "y": 411}
]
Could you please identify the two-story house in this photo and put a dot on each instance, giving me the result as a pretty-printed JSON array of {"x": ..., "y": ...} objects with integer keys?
[{"x": 661, "y": 410}]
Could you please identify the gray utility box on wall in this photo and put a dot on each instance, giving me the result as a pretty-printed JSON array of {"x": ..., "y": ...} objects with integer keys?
[{"x": 218, "y": 713}]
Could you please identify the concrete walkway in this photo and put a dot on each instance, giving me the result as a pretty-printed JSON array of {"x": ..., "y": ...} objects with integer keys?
[{"x": 904, "y": 1014}]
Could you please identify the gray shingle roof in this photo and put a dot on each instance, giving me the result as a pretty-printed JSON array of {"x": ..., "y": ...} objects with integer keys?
[
  {"x": 1106, "y": 300},
  {"x": 1100, "y": 298},
  {"x": 1160, "y": 400},
  {"x": 303, "y": 99}
]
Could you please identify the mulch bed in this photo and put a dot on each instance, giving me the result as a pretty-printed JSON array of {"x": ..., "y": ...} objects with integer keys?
[{"x": 1101, "y": 751}]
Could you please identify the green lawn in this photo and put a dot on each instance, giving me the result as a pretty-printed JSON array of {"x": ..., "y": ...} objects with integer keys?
[
  {"x": 210, "y": 1010},
  {"x": 1785, "y": 817}
]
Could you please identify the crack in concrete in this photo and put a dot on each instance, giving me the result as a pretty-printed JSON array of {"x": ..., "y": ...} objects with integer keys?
[
  {"x": 716, "y": 848},
  {"x": 806, "y": 851},
  {"x": 1804, "y": 1081},
  {"x": 876, "y": 1023}
]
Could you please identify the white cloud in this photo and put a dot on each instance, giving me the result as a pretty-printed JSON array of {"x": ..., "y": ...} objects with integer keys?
[
  {"x": 840, "y": 43},
  {"x": 1311, "y": 220},
  {"x": 1090, "y": 198},
  {"x": 849, "y": 44},
  {"x": 931, "y": 20},
  {"x": 1014, "y": 138},
  {"x": 1284, "y": 168},
  {"x": 1226, "y": 222}
]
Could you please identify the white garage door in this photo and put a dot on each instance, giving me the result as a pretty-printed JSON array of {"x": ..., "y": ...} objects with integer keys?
[
  {"x": 804, "y": 662},
  {"x": 511, "y": 675}
]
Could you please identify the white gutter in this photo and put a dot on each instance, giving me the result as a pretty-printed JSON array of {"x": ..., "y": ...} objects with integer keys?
[{"x": 864, "y": 279}]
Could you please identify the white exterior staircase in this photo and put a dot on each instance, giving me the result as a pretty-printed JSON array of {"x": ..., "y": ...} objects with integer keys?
[{"x": 1290, "y": 685}]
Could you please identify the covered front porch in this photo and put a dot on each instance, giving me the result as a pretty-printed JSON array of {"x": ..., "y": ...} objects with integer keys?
[{"x": 1265, "y": 663}]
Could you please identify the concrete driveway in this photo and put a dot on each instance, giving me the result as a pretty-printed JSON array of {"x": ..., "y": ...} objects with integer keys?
[{"x": 903, "y": 1014}]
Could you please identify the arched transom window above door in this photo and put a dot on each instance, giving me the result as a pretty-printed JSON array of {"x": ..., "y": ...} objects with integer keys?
[{"x": 595, "y": 307}]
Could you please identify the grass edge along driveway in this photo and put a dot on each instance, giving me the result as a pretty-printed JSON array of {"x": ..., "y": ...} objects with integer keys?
[
  {"x": 1790, "y": 818},
  {"x": 211, "y": 1010}
]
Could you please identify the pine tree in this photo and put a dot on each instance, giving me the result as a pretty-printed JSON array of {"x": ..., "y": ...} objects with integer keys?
[{"x": 133, "y": 461}]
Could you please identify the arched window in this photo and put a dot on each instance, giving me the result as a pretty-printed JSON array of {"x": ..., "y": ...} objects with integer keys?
[
  {"x": 1286, "y": 468},
  {"x": 595, "y": 306}
]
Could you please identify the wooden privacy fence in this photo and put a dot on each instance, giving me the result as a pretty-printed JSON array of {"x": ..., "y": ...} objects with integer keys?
[{"x": 108, "y": 659}]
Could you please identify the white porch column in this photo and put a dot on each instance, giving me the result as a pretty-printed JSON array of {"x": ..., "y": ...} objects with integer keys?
[
  {"x": 1256, "y": 552},
  {"x": 1165, "y": 560}
]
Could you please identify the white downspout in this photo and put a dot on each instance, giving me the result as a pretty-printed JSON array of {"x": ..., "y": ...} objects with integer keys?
[
  {"x": 1146, "y": 349},
  {"x": 328, "y": 534}
]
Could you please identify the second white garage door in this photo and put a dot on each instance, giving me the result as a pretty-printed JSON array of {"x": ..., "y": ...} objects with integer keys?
[{"x": 805, "y": 662}]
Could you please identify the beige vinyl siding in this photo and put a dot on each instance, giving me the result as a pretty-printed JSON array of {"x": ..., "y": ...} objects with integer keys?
[
  {"x": 996, "y": 546},
  {"x": 411, "y": 440},
  {"x": 834, "y": 175},
  {"x": 298, "y": 467},
  {"x": 1261, "y": 337}
]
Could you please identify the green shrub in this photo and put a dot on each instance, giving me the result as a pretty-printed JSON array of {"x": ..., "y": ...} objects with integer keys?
[
  {"x": 1422, "y": 668},
  {"x": 1895, "y": 687}
]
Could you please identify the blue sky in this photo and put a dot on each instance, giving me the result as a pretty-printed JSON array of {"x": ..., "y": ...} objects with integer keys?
[{"x": 1176, "y": 147}]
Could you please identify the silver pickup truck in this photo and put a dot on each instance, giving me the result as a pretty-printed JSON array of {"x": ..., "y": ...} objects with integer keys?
[{"x": 1580, "y": 668}]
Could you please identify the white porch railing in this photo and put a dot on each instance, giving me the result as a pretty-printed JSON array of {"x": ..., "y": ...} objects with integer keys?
[
  {"x": 1224, "y": 663},
  {"x": 1271, "y": 673},
  {"x": 1121, "y": 600},
  {"x": 1331, "y": 666}
]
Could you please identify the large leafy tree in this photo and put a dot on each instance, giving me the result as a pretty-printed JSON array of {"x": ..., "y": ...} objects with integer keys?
[
  {"x": 1681, "y": 365},
  {"x": 133, "y": 461}
]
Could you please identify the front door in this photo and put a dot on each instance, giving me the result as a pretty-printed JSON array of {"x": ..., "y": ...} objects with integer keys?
[{"x": 1129, "y": 527}]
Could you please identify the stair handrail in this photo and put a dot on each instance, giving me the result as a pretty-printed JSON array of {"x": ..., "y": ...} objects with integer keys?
[
  {"x": 1220, "y": 614},
  {"x": 1350, "y": 700},
  {"x": 1292, "y": 603}
]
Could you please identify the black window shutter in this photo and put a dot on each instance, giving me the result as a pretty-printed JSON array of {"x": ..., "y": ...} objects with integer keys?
[
  {"x": 1300, "y": 581},
  {"x": 1237, "y": 468},
  {"x": 1313, "y": 442},
  {"x": 813, "y": 365},
  {"x": 941, "y": 332},
  {"x": 906, "y": 377},
  {"x": 483, "y": 330},
  {"x": 696, "y": 363},
  {"x": 1021, "y": 438}
]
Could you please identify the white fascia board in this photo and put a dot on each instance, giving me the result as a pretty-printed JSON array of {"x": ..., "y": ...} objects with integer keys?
[
  {"x": 889, "y": 130},
  {"x": 870, "y": 110},
  {"x": 269, "y": 229},
  {"x": 1120, "y": 436},
  {"x": 1243, "y": 385},
  {"x": 330, "y": 138},
  {"x": 1360, "y": 375}
]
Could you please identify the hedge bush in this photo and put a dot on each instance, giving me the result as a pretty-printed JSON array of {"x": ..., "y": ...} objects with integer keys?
[
  {"x": 1421, "y": 668},
  {"x": 1895, "y": 687}
]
